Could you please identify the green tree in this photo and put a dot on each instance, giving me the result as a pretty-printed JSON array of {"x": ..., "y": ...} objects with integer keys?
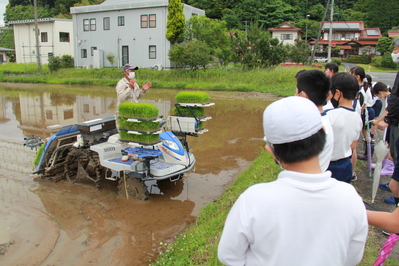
[
  {"x": 213, "y": 33},
  {"x": 384, "y": 45},
  {"x": 299, "y": 52},
  {"x": 197, "y": 54},
  {"x": 176, "y": 55},
  {"x": 382, "y": 14},
  {"x": 25, "y": 12},
  {"x": 7, "y": 38},
  {"x": 255, "y": 48},
  {"x": 176, "y": 22},
  {"x": 194, "y": 54}
]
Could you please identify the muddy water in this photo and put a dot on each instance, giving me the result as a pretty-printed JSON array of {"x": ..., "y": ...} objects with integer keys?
[{"x": 73, "y": 224}]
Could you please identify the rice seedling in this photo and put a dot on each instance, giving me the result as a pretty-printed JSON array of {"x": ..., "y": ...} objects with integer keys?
[
  {"x": 138, "y": 110},
  {"x": 144, "y": 125},
  {"x": 38, "y": 155},
  {"x": 198, "y": 112},
  {"x": 192, "y": 97},
  {"x": 143, "y": 138}
]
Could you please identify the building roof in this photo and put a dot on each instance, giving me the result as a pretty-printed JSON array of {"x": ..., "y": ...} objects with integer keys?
[
  {"x": 285, "y": 26},
  {"x": 2, "y": 49},
  {"x": 393, "y": 33},
  {"x": 370, "y": 34},
  {"x": 110, "y": 5},
  {"x": 28, "y": 21},
  {"x": 344, "y": 25}
]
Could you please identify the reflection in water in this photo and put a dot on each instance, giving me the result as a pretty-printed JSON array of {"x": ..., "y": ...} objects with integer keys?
[
  {"x": 99, "y": 227},
  {"x": 104, "y": 223}
]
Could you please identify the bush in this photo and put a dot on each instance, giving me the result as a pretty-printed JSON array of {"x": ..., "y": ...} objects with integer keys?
[
  {"x": 387, "y": 61},
  {"x": 54, "y": 63},
  {"x": 376, "y": 61},
  {"x": 67, "y": 61},
  {"x": 359, "y": 59},
  {"x": 336, "y": 61}
]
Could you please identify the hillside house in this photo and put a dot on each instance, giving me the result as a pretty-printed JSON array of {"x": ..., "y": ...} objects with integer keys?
[
  {"x": 286, "y": 33},
  {"x": 351, "y": 36},
  {"x": 130, "y": 31}
]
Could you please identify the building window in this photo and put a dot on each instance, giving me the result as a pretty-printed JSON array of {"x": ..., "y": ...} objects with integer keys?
[
  {"x": 121, "y": 21},
  {"x": 92, "y": 50},
  {"x": 144, "y": 21},
  {"x": 92, "y": 24},
  {"x": 83, "y": 53},
  {"x": 152, "y": 52},
  {"x": 64, "y": 36},
  {"x": 106, "y": 23},
  {"x": 68, "y": 114},
  {"x": 286, "y": 37},
  {"x": 49, "y": 115},
  {"x": 86, "y": 25},
  {"x": 43, "y": 36},
  {"x": 86, "y": 108},
  {"x": 95, "y": 111},
  {"x": 153, "y": 21}
]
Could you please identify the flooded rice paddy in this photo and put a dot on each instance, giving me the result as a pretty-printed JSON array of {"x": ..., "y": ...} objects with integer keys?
[{"x": 46, "y": 223}]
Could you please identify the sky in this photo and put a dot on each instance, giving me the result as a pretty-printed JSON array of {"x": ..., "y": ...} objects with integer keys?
[{"x": 3, "y": 4}]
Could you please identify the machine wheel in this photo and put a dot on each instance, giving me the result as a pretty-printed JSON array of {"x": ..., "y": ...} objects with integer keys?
[
  {"x": 82, "y": 164},
  {"x": 133, "y": 188}
]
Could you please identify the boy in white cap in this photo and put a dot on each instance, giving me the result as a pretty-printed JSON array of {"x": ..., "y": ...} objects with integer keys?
[
  {"x": 317, "y": 221},
  {"x": 127, "y": 88}
]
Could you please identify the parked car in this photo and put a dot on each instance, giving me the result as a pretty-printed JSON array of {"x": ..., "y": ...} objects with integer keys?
[{"x": 322, "y": 59}]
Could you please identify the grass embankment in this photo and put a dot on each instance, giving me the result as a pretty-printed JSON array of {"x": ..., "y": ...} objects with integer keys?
[
  {"x": 279, "y": 81},
  {"x": 198, "y": 244}
]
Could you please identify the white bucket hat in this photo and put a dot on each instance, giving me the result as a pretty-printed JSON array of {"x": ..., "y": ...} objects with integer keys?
[{"x": 290, "y": 119}]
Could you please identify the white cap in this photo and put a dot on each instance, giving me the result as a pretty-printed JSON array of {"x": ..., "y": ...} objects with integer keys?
[{"x": 290, "y": 119}]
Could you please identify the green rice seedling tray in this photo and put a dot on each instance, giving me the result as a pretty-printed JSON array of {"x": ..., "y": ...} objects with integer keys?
[{"x": 137, "y": 110}]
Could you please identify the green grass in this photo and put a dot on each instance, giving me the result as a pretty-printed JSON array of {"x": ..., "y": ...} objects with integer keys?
[
  {"x": 198, "y": 244},
  {"x": 144, "y": 138},
  {"x": 192, "y": 97},
  {"x": 138, "y": 110}
]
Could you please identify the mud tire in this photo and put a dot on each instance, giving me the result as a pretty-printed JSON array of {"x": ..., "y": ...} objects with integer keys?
[{"x": 134, "y": 188}]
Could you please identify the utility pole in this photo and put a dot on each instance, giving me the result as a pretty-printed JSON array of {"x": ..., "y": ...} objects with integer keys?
[
  {"x": 330, "y": 33},
  {"x": 306, "y": 35},
  {"x": 39, "y": 65},
  {"x": 246, "y": 26},
  {"x": 318, "y": 35}
]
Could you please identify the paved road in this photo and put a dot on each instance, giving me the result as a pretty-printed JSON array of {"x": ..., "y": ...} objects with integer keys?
[{"x": 388, "y": 78}]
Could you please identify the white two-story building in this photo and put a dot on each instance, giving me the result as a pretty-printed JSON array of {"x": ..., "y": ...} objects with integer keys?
[
  {"x": 130, "y": 31},
  {"x": 55, "y": 39}
]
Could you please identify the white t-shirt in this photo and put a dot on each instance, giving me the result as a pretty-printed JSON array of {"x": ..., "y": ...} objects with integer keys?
[
  {"x": 347, "y": 125},
  {"x": 328, "y": 106},
  {"x": 299, "y": 219},
  {"x": 326, "y": 153},
  {"x": 368, "y": 97}
]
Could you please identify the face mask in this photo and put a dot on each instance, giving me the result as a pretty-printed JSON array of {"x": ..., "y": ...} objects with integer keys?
[
  {"x": 334, "y": 102},
  {"x": 395, "y": 58},
  {"x": 131, "y": 75}
]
